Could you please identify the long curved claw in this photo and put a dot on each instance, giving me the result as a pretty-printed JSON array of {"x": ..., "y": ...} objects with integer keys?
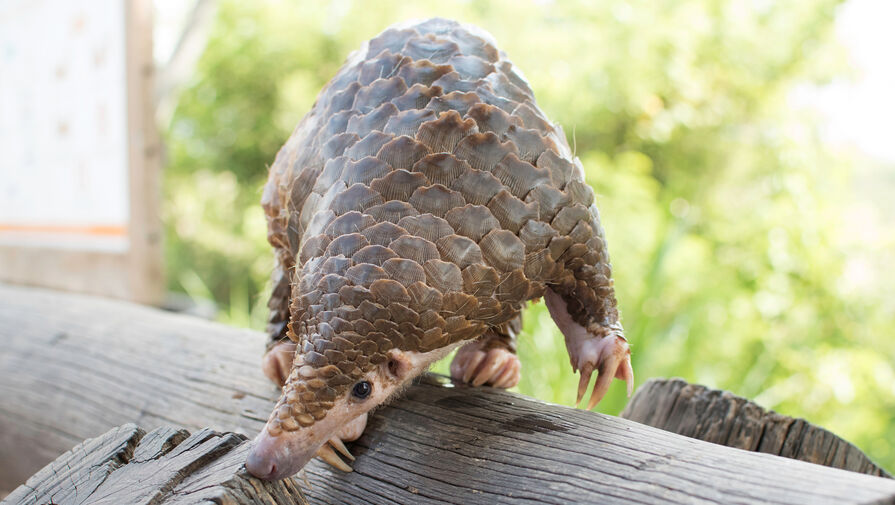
[
  {"x": 611, "y": 358},
  {"x": 628, "y": 371},
  {"x": 509, "y": 377},
  {"x": 327, "y": 454},
  {"x": 488, "y": 369},
  {"x": 477, "y": 365},
  {"x": 340, "y": 446},
  {"x": 606, "y": 373},
  {"x": 586, "y": 371},
  {"x": 471, "y": 366}
]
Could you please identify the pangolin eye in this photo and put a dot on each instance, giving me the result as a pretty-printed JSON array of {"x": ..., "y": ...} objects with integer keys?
[{"x": 362, "y": 390}]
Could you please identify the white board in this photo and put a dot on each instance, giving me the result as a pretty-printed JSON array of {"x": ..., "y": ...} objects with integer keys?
[
  {"x": 71, "y": 104},
  {"x": 63, "y": 125}
]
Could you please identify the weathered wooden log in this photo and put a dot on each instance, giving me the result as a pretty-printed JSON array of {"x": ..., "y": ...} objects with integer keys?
[
  {"x": 430, "y": 453},
  {"x": 724, "y": 418},
  {"x": 164, "y": 466},
  {"x": 72, "y": 367}
]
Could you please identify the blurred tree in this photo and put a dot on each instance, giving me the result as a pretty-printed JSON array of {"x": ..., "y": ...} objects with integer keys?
[{"x": 721, "y": 207}]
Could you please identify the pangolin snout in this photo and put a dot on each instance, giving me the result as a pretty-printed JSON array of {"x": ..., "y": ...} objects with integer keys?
[
  {"x": 261, "y": 466},
  {"x": 271, "y": 458}
]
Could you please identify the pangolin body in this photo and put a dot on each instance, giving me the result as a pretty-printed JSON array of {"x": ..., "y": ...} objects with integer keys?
[{"x": 421, "y": 202}]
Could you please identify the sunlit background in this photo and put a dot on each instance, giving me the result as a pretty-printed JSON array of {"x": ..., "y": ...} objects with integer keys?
[{"x": 742, "y": 153}]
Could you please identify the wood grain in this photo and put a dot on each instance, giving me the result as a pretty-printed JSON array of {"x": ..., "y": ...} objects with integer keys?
[
  {"x": 724, "y": 418},
  {"x": 72, "y": 367},
  {"x": 128, "y": 465}
]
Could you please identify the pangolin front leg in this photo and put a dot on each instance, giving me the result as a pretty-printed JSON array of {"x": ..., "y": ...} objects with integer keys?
[
  {"x": 490, "y": 360},
  {"x": 607, "y": 353},
  {"x": 278, "y": 360}
]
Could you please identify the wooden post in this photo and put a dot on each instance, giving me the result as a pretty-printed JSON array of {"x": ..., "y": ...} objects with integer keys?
[{"x": 73, "y": 367}]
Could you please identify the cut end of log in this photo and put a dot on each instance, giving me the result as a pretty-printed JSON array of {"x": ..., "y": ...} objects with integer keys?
[{"x": 724, "y": 418}]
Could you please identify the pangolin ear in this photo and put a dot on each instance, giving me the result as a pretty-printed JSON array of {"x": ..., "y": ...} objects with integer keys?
[{"x": 398, "y": 366}]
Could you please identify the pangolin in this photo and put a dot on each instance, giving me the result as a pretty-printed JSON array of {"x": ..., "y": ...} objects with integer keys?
[{"x": 415, "y": 209}]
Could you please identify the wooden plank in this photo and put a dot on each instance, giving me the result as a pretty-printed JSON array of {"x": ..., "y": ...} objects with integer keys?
[
  {"x": 145, "y": 274},
  {"x": 73, "y": 367},
  {"x": 723, "y": 418}
]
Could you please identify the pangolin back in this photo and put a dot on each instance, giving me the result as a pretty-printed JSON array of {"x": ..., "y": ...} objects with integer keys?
[{"x": 422, "y": 200}]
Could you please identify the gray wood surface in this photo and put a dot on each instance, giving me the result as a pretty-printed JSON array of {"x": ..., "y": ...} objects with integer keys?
[
  {"x": 73, "y": 367},
  {"x": 164, "y": 466},
  {"x": 724, "y": 418}
]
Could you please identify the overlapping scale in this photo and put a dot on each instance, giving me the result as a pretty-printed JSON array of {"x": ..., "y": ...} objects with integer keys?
[
  {"x": 483, "y": 150},
  {"x": 417, "y": 97},
  {"x": 391, "y": 211},
  {"x": 455, "y": 100},
  {"x": 442, "y": 135},
  {"x": 477, "y": 187},
  {"x": 408, "y": 122},
  {"x": 452, "y": 81},
  {"x": 472, "y": 221},
  {"x": 363, "y": 171},
  {"x": 379, "y": 94},
  {"x": 368, "y": 146},
  {"x": 362, "y": 124},
  {"x": 385, "y": 64},
  {"x": 430, "y": 47},
  {"x": 422, "y": 72},
  {"x": 426, "y": 226},
  {"x": 435, "y": 200},
  {"x": 398, "y": 184},
  {"x": 519, "y": 176},
  {"x": 471, "y": 67},
  {"x": 492, "y": 119},
  {"x": 441, "y": 168},
  {"x": 402, "y": 152}
]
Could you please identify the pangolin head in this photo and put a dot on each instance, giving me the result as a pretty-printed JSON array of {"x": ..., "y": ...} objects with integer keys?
[{"x": 335, "y": 381}]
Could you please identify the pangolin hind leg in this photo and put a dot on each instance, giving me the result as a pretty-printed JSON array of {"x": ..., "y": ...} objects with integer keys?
[
  {"x": 490, "y": 360},
  {"x": 608, "y": 354}
]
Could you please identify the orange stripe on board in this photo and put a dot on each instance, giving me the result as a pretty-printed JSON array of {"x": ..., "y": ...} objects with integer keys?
[{"x": 98, "y": 230}]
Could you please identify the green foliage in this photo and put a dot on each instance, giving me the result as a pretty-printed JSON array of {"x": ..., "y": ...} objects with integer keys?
[{"x": 721, "y": 207}]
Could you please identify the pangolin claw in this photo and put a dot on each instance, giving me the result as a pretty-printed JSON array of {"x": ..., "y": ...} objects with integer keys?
[
  {"x": 327, "y": 454},
  {"x": 476, "y": 365},
  {"x": 586, "y": 372},
  {"x": 509, "y": 377},
  {"x": 606, "y": 372},
  {"x": 472, "y": 366},
  {"x": 340, "y": 446},
  {"x": 614, "y": 364},
  {"x": 487, "y": 370}
]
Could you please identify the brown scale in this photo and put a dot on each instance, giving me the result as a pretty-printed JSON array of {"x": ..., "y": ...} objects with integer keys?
[{"x": 421, "y": 202}]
